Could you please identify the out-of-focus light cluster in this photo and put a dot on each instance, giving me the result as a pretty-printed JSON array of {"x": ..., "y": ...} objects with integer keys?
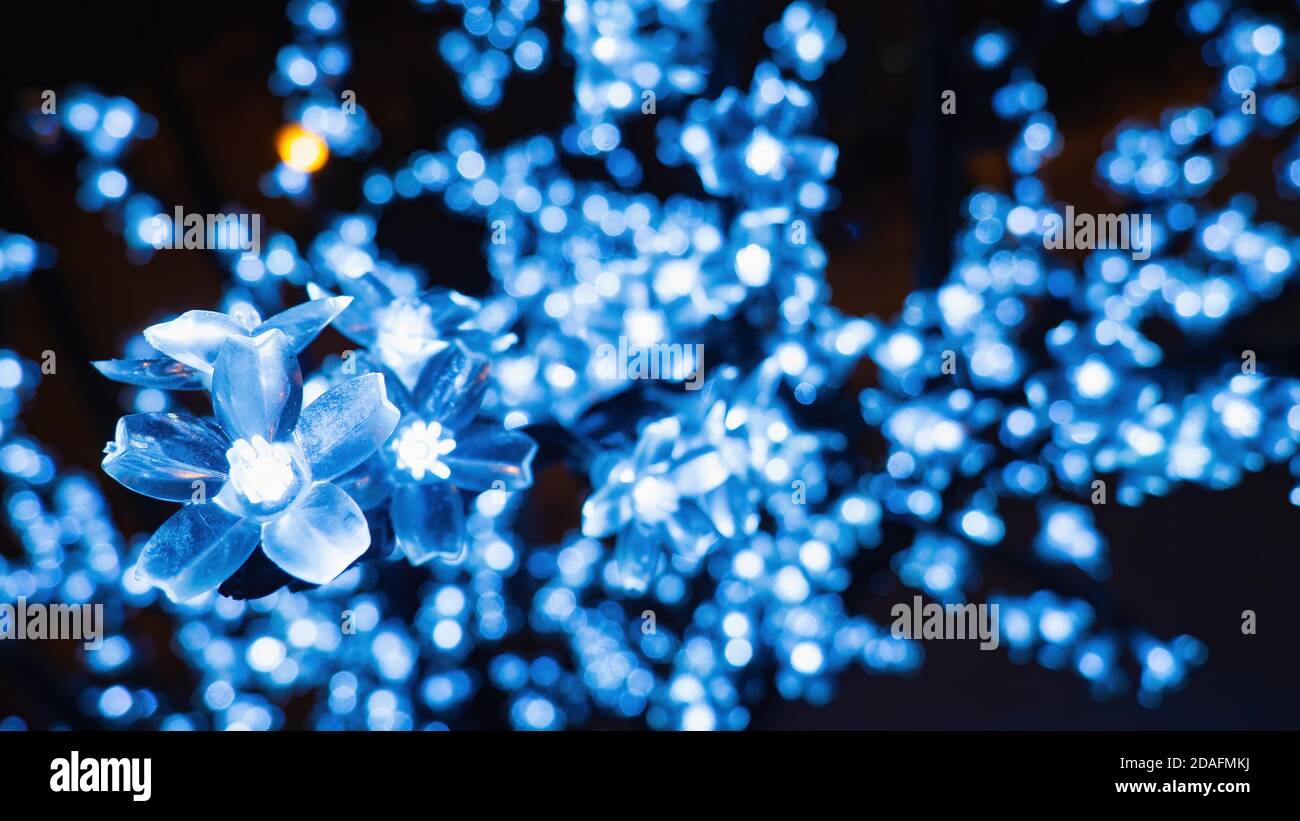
[
  {"x": 1104, "y": 404},
  {"x": 103, "y": 126},
  {"x": 633, "y": 56},
  {"x": 20, "y": 255},
  {"x": 755, "y": 147},
  {"x": 805, "y": 40},
  {"x": 1062, "y": 634},
  {"x": 72, "y": 552},
  {"x": 323, "y": 116},
  {"x": 135, "y": 213},
  {"x": 1097, "y": 15},
  {"x": 496, "y": 38}
]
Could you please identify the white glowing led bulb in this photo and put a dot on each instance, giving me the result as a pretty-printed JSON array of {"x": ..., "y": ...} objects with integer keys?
[
  {"x": 261, "y": 472},
  {"x": 419, "y": 449}
]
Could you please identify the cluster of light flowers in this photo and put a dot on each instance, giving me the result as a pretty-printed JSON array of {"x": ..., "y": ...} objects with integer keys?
[
  {"x": 72, "y": 553},
  {"x": 495, "y": 38},
  {"x": 104, "y": 128},
  {"x": 718, "y": 537},
  {"x": 630, "y": 53}
]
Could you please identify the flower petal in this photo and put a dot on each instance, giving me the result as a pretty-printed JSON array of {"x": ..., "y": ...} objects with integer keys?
[
  {"x": 369, "y": 294},
  {"x": 606, "y": 510},
  {"x": 428, "y": 520},
  {"x": 699, "y": 473},
  {"x": 194, "y": 338},
  {"x": 731, "y": 509},
  {"x": 636, "y": 555},
  {"x": 370, "y": 291},
  {"x": 345, "y": 425},
  {"x": 487, "y": 453},
  {"x": 691, "y": 531},
  {"x": 656, "y": 442},
  {"x": 163, "y": 454},
  {"x": 486, "y": 342},
  {"x": 397, "y": 392},
  {"x": 257, "y": 387},
  {"x": 449, "y": 309},
  {"x": 165, "y": 374},
  {"x": 452, "y": 385},
  {"x": 367, "y": 483},
  {"x": 354, "y": 322},
  {"x": 302, "y": 323},
  {"x": 320, "y": 537},
  {"x": 196, "y": 550}
]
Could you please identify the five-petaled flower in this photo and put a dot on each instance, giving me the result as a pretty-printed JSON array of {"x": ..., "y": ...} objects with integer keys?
[
  {"x": 267, "y": 461},
  {"x": 402, "y": 332},
  {"x": 655, "y": 497},
  {"x": 441, "y": 446}
]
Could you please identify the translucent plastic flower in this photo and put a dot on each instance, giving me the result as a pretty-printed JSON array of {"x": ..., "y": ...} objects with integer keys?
[
  {"x": 193, "y": 341},
  {"x": 654, "y": 498},
  {"x": 441, "y": 448},
  {"x": 404, "y": 331},
  {"x": 259, "y": 473}
]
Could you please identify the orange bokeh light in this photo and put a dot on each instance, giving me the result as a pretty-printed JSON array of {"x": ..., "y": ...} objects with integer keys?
[{"x": 300, "y": 149}]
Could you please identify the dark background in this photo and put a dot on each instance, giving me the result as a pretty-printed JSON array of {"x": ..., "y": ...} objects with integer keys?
[{"x": 1187, "y": 563}]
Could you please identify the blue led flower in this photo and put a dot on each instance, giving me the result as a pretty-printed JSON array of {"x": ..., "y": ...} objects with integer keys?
[
  {"x": 653, "y": 499},
  {"x": 402, "y": 332},
  {"x": 441, "y": 447},
  {"x": 261, "y": 471}
]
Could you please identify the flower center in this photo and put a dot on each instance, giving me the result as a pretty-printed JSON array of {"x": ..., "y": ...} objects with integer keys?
[
  {"x": 260, "y": 471},
  {"x": 419, "y": 449},
  {"x": 406, "y": 328},
  {"x": 654, "y": 499}
]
